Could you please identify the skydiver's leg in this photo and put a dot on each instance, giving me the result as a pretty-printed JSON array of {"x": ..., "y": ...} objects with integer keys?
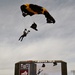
[
  {"x": 22, "y": 38},
  {"x": 19, "y": 38}
]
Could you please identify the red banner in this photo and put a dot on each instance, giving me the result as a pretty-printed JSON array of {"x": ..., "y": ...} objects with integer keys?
[{"x": 23, "y": 72}]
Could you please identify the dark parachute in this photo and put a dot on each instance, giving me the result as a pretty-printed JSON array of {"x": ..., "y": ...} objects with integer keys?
[
  {"x": 32, "y": 9},
  {"x": 34, "y": 26}
]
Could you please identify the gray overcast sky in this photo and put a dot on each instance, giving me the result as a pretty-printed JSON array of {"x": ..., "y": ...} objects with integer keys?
[{"x": 51, "y": 42}]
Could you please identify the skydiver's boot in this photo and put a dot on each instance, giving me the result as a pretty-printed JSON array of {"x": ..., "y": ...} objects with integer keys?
[{"x": 34, "y": 26}]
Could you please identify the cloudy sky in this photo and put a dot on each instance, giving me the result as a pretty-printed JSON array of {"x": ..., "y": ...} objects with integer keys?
[{"x": 50, "y": 42}]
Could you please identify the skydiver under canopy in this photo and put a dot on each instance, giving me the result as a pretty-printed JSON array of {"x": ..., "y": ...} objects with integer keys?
[
  {"x": 25, "y": 32},
  {"x": 32, "y": 9}
]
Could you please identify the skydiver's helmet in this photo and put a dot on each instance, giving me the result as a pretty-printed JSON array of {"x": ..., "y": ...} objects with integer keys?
[
  {"x": 25, "y": 29},
  {"x": 34, "y": 26}
]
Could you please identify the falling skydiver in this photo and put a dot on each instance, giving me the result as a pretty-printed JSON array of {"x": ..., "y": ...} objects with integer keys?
[{"x": 25, "y": 32}]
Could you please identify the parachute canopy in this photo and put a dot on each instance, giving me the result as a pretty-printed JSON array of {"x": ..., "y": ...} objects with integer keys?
[
  {"x": 34, "y": 26},
  {"x": 32, "y": 9}
]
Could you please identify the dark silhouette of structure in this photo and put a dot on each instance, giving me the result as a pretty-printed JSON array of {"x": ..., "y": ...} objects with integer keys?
[
  {"x": 30, "y": 67},
  {"x": 25, "y": 32},
  {"x": 54, "y": 63}
]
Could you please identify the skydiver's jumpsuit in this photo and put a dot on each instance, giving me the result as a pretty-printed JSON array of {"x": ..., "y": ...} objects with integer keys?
[{"x": 24, "y": 35}]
